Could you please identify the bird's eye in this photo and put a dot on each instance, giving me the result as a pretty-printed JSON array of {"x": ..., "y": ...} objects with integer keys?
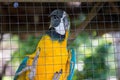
[{"x": 55, "y": 17}]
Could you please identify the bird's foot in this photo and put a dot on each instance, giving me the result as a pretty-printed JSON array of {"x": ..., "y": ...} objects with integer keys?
[{"x": 57, "y": 75}]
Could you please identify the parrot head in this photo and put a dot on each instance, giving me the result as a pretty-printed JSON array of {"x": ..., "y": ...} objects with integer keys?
[{"x": 60, "y": 21}]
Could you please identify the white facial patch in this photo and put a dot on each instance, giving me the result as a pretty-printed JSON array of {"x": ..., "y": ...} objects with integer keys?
[{"x": 60, "y": 28}]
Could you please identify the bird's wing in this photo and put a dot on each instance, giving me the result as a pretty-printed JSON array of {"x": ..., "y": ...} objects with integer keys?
[
  {"x": 21, "y": 67},
  {"x": 72, "y": 64}
]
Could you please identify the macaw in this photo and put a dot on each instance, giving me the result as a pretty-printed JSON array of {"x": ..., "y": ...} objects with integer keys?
[{"x": 51, "y": 59}]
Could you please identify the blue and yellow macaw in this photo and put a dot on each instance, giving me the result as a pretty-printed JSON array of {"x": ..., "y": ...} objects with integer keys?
[{"x": 51, "y": 60}]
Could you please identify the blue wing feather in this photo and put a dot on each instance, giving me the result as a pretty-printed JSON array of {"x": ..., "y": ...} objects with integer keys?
[
  {"x": 22, "y": 65},
  {"x": 72, "y": 64}
]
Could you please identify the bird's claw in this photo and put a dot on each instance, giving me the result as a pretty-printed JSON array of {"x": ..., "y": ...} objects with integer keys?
[{"x": 57, "y": 75}]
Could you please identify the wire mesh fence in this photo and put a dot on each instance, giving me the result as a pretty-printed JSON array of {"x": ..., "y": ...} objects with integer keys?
[{"x": 94, "y": 35}]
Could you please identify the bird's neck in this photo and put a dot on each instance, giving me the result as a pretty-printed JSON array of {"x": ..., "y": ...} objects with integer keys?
[{"x": 56, "y": 36}]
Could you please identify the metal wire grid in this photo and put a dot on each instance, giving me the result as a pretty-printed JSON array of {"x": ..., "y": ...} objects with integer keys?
[{"x": 44, "y": 24}]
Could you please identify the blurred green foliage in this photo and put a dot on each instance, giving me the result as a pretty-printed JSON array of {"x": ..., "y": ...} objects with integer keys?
[
  {"x": 26, "y": 47},
  {"x": 95, "y": 66},
  {"x": 93, "y": 52}
]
